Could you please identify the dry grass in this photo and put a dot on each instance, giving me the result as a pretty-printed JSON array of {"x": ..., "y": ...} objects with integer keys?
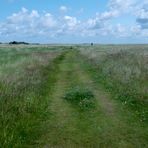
[
  {"x": 26, "y": 77},
  {"x": 123, "y": 70}
]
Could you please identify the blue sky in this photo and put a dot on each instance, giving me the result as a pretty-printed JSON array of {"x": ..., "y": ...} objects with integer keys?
[{"x": 74, "y": 21}]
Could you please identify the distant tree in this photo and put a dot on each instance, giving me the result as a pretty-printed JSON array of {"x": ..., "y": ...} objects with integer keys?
[
  {"x": 16, "y": 43},
  {"x": 92, "y": 44},
  {"x": 13, "y": 42}
]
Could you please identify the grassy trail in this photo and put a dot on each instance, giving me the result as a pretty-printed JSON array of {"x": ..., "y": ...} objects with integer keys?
[{"x": 108, "y": 125}]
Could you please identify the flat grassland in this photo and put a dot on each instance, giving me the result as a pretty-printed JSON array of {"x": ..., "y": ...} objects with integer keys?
[{"x": 74, "y": 96}]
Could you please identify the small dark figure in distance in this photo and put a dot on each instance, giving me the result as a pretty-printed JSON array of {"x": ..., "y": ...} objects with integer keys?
[{"x": 92, "y": 44}]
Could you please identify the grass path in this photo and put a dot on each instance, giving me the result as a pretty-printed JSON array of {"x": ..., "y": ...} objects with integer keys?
[{"x": 109, "y": 125}]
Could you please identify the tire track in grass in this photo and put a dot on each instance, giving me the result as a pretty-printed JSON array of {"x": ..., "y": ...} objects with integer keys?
[
  {"x": 61, "y": 130},
  {"x": 119, "y": 129},
  {"x": 68, "y": 127},
  {"x": 101, "y": 127},
  {"x": 71, "y": 128}
]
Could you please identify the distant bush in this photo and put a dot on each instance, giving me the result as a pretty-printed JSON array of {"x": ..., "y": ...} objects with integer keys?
[
  {"x": 16, "y": 43},
  {"x": 81, "y": 97},
  {"x": 92, "y": 44}
]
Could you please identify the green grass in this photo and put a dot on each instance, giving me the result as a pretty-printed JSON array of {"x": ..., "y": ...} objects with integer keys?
[
  {"x": 109, "y": 124},
  {"x": 123, "y": 71},
  {"x": 79, "y": 96},
  {"x": 26, "y": 79}
]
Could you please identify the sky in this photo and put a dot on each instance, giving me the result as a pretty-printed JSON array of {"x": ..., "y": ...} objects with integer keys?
[{"x": 74, "y": 21}]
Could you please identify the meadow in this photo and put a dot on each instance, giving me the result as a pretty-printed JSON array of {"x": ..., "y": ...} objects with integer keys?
[
  {"x": 123, "y": 71},
  {"x": 74, "y": 96}
]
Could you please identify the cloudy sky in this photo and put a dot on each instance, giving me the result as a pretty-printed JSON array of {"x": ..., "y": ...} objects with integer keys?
[{"x": 74, "y": 21}]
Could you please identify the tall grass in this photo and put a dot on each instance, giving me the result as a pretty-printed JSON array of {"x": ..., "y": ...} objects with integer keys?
[
  {"x": 26, "y": 79},
  {"x": 123, "y": 70}
]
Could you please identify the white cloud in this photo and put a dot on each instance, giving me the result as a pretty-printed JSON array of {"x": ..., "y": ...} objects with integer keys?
[
  {"x": 27, "y": 22},
  {"x": 93, "y": 24},
  {"x": 121, "y": 31},
  {"x": 71, "y": 22},
  {"x": 117, "y": 8},
  {"x": 122, "y": 5},
  {"x": 142, "y": 15},
  {"x": 109, "y": 15},
  {"x": 136, "y": 29},
  {"x": 48, "y": 21},
  {"x": 63, "y": 9},
  {"x": 34, "y": 13},
  {"x": 101, "y": 19},
  {"x": 34, "y": 23},
  {"x": 23, "y": 16}
]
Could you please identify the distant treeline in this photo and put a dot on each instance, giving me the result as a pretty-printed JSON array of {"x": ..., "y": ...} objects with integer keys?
[{"x": 15, "y": 42}]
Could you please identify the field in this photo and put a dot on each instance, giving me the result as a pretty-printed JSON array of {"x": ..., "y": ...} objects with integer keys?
[{"x": 74, "y": 96}]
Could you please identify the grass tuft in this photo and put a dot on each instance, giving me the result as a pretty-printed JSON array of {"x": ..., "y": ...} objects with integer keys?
[{"x": 80, "y": 97}]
